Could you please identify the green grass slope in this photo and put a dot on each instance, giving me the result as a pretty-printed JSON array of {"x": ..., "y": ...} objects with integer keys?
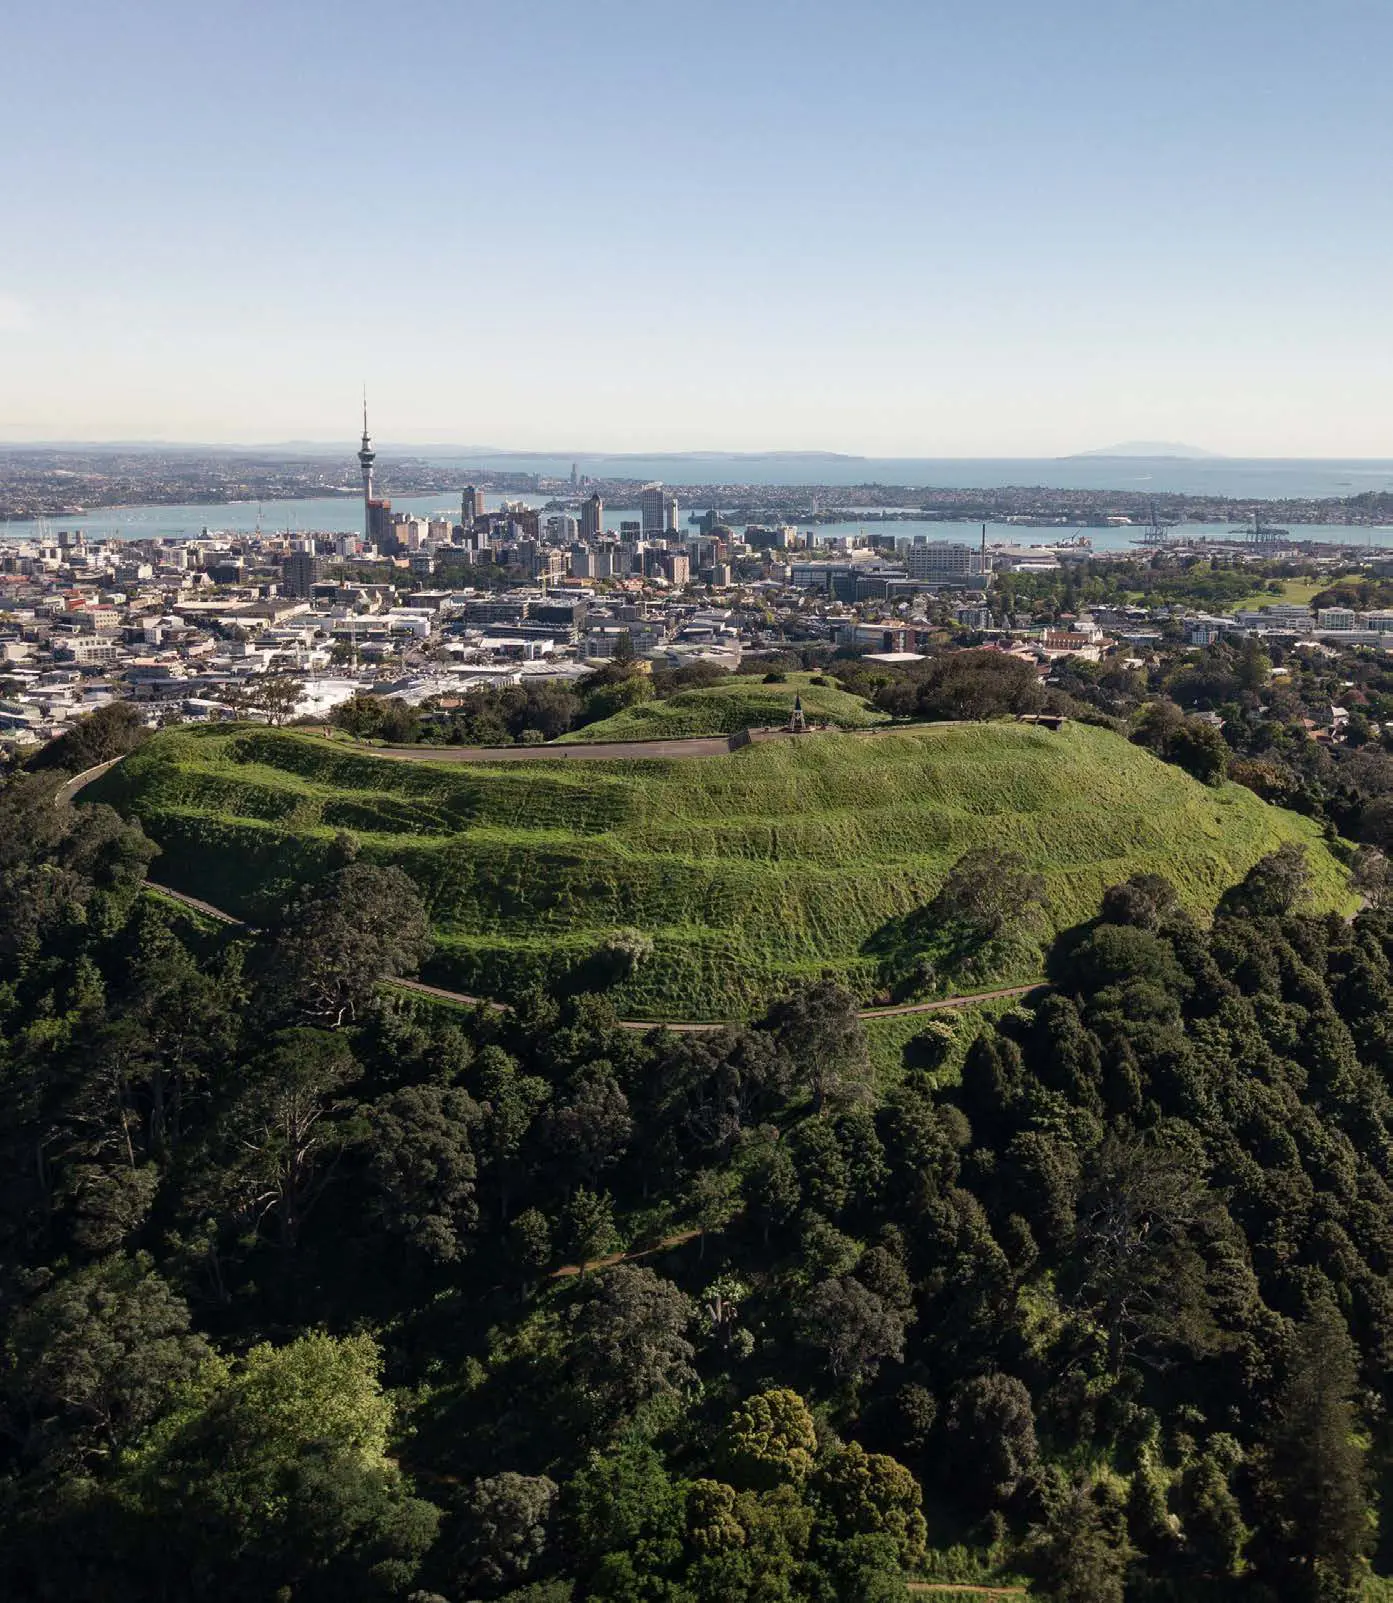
[
  {"x": 750, "y": 872},
  {"x": 740, "y": 702}
]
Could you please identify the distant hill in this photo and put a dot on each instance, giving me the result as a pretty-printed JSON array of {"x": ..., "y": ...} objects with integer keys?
[
  {"x": 1164, "y": 450},
  {"x": 751, "y": 873}
]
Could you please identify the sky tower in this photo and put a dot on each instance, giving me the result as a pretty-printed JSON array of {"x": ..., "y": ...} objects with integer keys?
[{"x": 366, "y": 457}]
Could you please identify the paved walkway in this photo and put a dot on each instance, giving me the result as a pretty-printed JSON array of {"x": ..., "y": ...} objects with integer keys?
[
  {"x": 708, "y": 746},
  {"x": 597, "y": 750}
]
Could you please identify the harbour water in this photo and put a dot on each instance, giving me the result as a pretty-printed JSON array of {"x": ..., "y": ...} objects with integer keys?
[{"x": 343, "y": 515}]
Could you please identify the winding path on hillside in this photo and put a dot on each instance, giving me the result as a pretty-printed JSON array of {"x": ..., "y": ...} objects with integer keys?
[
  {"x": 710, "y": 747},
  {"x": 620, "y": 750},
  {"x": 600, "y": 750},
  {"x": 679, "y": 1026}
]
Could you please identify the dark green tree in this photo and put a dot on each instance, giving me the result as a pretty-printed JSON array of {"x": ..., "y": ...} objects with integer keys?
[
  {"x": 422, "y": 1162},
  {"x": 341, "y": 938},
  {"x": 628, "y": 1339},
  {"x": 1274, "y": 885},
  {"x": 272, "y": 1473},
  {"x": 992, "y": 1423},
  {"x": 94, "y": 1359},
  {"x": 506, "y": 1521},
  {"x": 990, "y": 892},
  {"x": 1314, "y": 1530}
]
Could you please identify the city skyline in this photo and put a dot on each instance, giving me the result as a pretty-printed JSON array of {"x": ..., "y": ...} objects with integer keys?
[{"x": 907, "y": 230}]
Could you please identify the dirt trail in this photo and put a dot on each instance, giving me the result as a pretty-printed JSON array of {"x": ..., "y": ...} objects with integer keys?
[
  {"x": 965, "y": 1588},
  {"x": 677, "y": 1026},
  {"x": 569, "y": 1270}
]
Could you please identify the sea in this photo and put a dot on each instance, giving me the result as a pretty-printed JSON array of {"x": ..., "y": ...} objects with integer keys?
[{"x": 1258, "y": 479}]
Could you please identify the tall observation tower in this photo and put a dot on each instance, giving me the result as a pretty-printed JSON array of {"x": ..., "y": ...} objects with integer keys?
[{"x": 366, "y": 457}]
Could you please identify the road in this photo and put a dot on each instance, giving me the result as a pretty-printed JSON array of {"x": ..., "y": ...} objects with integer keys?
[{"x": 678, "y": 1026}]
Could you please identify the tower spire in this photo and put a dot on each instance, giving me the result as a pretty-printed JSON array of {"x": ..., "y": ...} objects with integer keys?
[{"x": 366, "y": 457}]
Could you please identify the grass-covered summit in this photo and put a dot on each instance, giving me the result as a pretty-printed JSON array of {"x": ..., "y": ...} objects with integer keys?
[
  {"x": 738, "y": 702},
  {"x": 748, "y": 873}
]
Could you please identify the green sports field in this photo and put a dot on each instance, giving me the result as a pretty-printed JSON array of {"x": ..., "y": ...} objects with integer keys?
[{"x": 750, "y": 872}]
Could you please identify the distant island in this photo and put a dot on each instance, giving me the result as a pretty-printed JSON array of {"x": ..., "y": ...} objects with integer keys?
[{"x": 1154, "y": 449}]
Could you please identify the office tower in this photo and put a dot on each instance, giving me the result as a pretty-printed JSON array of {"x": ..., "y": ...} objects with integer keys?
[
  {"x": 298, "y": 573},
  {"x": 592, "y": 518},
  {"x": 380, "y": 525},
  {"x": 471, "y": 505},
  {"x": 658, "y": 511},
  {"x": 651, "y": 509}
]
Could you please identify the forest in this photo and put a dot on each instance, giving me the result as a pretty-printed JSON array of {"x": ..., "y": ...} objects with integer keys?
[{"x": 315, "y": 1290}]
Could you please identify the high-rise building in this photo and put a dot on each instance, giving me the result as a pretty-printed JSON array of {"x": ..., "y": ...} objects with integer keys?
[
  {"x": 592, "y": 518},
  {"x": 471, "y": 505},
  {"x": 658, "y": 511},
  {"x": 298, "y": 573},
  {"x": 380, "y": 525}
]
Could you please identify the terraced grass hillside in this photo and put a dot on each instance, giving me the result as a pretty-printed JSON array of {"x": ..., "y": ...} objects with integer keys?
[
  {"x": 749, "y": 872},
  {"x": 740, "y": 702}
]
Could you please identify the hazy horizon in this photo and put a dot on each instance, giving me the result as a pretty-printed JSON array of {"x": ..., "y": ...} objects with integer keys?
[{"x": 439, "y": 448}]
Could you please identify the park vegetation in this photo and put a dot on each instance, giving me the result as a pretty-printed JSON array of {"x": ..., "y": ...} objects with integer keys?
[
  {"x": 749, "y": 873},
  {"x": 317, "y": 1290}
]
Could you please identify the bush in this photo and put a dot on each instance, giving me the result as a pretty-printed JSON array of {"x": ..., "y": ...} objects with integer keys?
[
  {"x": 965, "y": 685},
  {"x": 108, "y": 732}
]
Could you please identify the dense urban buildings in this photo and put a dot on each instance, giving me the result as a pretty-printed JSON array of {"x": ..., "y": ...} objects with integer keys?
[{"x": 420, "y": 606}]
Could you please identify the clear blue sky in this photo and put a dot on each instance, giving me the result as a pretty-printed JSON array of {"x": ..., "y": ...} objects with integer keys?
[{"x": 927, "y": 227}]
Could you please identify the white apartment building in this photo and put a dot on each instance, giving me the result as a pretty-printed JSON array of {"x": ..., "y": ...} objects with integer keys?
[{"x": 942, "y": 562}]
